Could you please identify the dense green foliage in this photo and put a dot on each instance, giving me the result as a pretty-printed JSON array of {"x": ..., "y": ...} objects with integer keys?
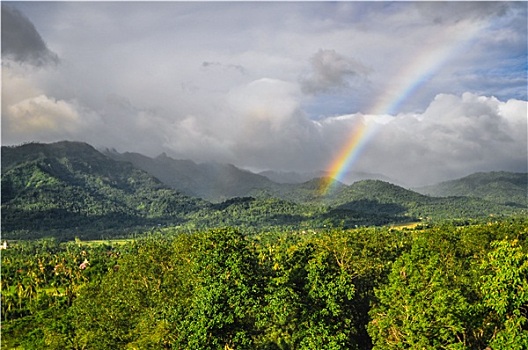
[
  {"x": 394, "y": 200},
  {"x": 446, "y": 286}
]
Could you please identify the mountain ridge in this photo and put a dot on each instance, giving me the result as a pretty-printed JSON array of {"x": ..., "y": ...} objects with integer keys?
[
  {"x": 70, "y": 188},
  {"x": 69, "y": 184},
  {"x": 211, "y": 181},
  {"x": 499, "y": 186}
]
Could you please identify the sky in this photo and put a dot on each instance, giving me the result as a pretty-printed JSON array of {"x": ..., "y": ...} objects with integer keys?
[{"x": 419, "y": 92}]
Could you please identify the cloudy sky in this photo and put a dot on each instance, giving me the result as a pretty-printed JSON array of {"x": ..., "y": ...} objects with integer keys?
[{"x": 435, "y": 90}]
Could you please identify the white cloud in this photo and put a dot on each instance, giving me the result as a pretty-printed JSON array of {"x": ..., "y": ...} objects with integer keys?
[
  {"x": 264, "y": 103},
  {"x": 258, "y": 125},
  {"x": 455, "y": 136},
  {"x": 42, "y": 117},
  {"x": 17, "y": 85}
]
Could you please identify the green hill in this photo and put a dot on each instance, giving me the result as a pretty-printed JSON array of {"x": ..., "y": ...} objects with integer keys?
[
  {"x": 377, "y": 190},
  {"x": 499, "y": 187},
  {"x": 309, "y": 192},
  {"x": 70, "y": 189},
  {"x": 70, "y": 185},
  {"x": 374, "y": 196}
]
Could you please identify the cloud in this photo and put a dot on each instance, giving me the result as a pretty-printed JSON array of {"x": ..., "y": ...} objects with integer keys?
[
  {"x": 330, "y": 71},
  {"x": 265, "y": 101},
  {"x": 258, "y": 125},
  {"x": 249, "y": 84},
  {"x": 263, "y": 127},
  {"x": 21, "y": 41},
  {"x": 271, "y": 129},
  {"x": 440, "y": 12},
  {"x": 42, "y": 117},
  {"x": 455, "y": 136},
  {"x": 236, "y": 67}
]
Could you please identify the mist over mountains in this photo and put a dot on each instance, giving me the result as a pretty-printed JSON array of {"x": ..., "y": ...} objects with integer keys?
[
  {"x": 216, "y": 181},
  {"x": 296, "y": 177},
  {"x": 211, "y": 181}
]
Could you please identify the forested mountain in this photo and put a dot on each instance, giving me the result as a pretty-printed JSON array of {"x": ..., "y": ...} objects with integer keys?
[
  {"x": 211, "y": 181},
  {"x": 217, "y": 182},
  {"x": 379, "y": 196},
  {"x": 292, "y": 177},
  {"x": 498, "y": 187},
  {"x": 69, "y": 185},
  {"x": 70, "y": 189}
]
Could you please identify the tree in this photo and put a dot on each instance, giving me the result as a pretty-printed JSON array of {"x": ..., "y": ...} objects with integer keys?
[
  {"x": 131, "y": 305},
  {"x": 505, "y": 290},
  {"x": 227, "y": 291},
  {"x": 421, "y": 306},
  {"x": 312, "y": 299}
]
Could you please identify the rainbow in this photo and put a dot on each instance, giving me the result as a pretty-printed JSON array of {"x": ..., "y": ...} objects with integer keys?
[
  {"x": 349, "y": 153},
  {"x": 398, "y": 90}
]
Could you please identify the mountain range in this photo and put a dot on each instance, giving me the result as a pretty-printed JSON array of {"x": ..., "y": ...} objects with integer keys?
[
  {"x": 211, "y": 181},
  {"x": 217, "y": 182},
  {"x": 69, "y": 189}
]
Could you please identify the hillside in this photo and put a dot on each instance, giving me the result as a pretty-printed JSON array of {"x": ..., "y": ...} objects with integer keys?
[
  {"x": 218, "y": 182},
  {"x": 499, "y": 187},
  {"x": 211, "y": 181},
  {"x": 69, "y": 189},
  {"x": 69, "y": 185},
  {"x": 308, "y": 192},
  {"x": 375, "y": 196},
  {"x": 290, "y": 177},
  {"x": 377, "y": 190}
]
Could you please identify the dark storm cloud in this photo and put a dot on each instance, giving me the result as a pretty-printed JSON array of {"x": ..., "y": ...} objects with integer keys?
[
  {"x": 21, "y": 41},
  {"x": 330, "y": 71}
]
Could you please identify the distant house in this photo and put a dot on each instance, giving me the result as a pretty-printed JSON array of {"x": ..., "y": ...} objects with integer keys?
[{"x": 3, "y": 246}]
